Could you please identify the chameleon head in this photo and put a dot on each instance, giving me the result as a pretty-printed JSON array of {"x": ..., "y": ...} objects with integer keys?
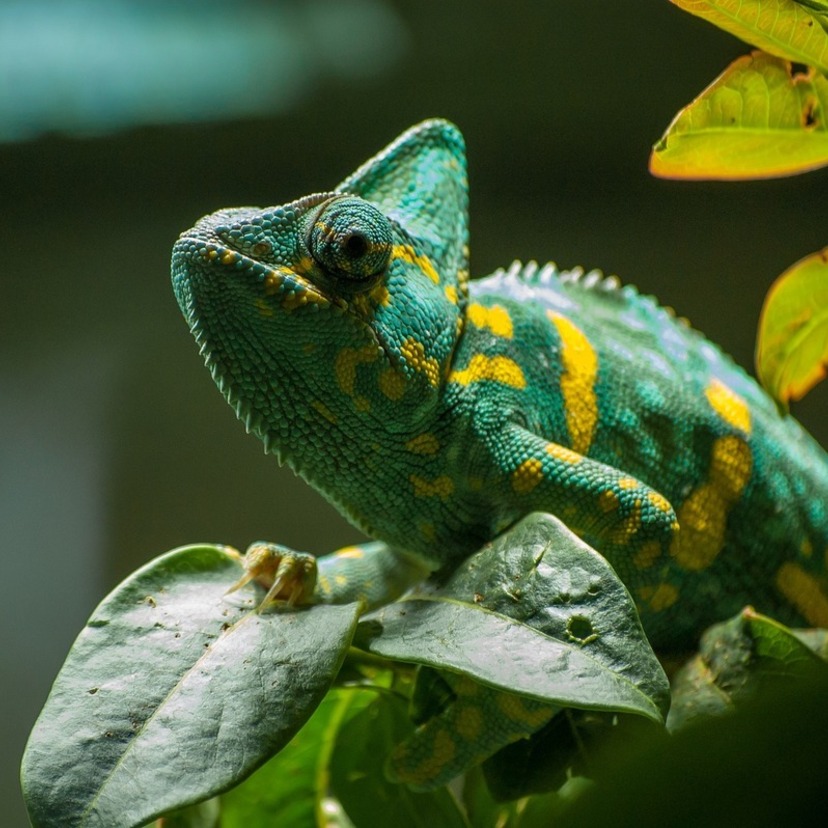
[{"x": 336, "y": 314}]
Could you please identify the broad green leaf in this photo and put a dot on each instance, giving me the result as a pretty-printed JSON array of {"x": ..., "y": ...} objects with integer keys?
[
  {"x": 758, "y": 119},
  {"x": 358, "y": 780},
  {"x": 172, "y": 694},
  {"x": 792, "y": 345},
  {"x": 538, "y": 613},
  {"x": 783, "y": 28},
  {"x": 292, "y": 789},
  {"x": 736, "y": 660}
]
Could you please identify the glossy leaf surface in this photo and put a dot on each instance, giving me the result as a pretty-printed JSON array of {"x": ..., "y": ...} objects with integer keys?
[
  {"x": 758, "y": 119},
  {"x": 537, "y": 612},
  {"x": 792, "y": 345},
  {"x": 172, "y": 694}
]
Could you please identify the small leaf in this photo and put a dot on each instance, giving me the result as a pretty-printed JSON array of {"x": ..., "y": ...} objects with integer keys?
[
  {"x": 566, "y": 628},
  {"x": 758, "y": 119},
  {"x": 172, "y": 694},
  {"x": 736, "y": 660},
  {"x": 783, "y": 28},
  {"x": 358, "y": 780},
  {"x": 792, "y": 346}
]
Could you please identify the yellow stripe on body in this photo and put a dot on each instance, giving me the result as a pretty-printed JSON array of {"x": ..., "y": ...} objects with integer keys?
[
  {"x": 580, "y": 369},
  {"x": 497, "y": 369},
  {"x": 703, "y": 515},
  {"x": 496, "y": 318}
]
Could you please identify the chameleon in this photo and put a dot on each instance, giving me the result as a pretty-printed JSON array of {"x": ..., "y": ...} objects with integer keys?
[{"x": 435, "y": 410}]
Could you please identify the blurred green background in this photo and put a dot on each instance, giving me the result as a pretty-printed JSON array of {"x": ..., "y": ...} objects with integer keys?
[{"x": 123, "y": 122}]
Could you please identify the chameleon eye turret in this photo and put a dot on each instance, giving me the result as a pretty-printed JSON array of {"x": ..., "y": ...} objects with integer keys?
[{"x": 351, "y": 240}]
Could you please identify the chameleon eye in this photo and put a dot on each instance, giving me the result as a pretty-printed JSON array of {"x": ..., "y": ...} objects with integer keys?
[{"x": 351, "y": 239}]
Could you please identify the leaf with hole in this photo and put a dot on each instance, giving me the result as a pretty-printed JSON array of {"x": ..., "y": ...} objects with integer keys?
[{"x": 537, "y": 612}]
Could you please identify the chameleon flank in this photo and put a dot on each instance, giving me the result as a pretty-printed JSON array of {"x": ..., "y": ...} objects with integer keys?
[{"x": 435, "y": 411}]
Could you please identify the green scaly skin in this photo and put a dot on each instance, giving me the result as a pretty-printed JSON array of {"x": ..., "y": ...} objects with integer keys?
[{"x": 435, "y": 411}]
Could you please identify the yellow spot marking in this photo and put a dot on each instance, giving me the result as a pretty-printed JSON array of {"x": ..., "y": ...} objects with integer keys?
[
  {"x": 264, "y": 308},
  {"x": 496, "y": 319},
  {"x": 580, "y": 368},
  {"x": 425, "y": 443},
  {"x": 294, "y": 300},
  {"x": 362, "y": 404},
  {"x": 323, "y": 409},
  {"x": 392, "y": 384},
  {"x": 804, "y": 592},
  {"x": 527, "y": 475},
  {"x": 659, "y": 501},
  {"x": 228, "y": 257},
  {"x": 340, "y": 580},
  {"x": 451, "y": 294},
  {"x": 523, "y": 711},
  {"x": 468, "y": 722},
  {"x": 497, "y": 369},
  {"x": 623, "y": 532},
  {"x": 647, "y": 555},
  {"x": 304, "y": 265},
  {"x": 350, "y": 552},
  {"x": 346, "y": 364},
  {"x": 703, "y": 515},
  {"x": 443, "y": 751},
  {"x": 659, "y": 597},
  {"x": 414, "y": 354},
  {"x": 380, "y": 294},
  {"x": 442, "y": 487},
  {"x": 628, "y": 483},
  {"x": 407, "y": 254},
  {"x": 565, "y": 455},
  {"x": 608, "y": 501},
  {"x": 728, "y": 405},
  {"x": 806, "y": 548}
]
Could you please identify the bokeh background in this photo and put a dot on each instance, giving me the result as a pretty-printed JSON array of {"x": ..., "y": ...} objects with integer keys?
[{"x": 123, "y": 121}]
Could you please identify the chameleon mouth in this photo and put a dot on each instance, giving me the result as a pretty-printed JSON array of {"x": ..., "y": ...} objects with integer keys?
[{"x": 289, "y": 288}]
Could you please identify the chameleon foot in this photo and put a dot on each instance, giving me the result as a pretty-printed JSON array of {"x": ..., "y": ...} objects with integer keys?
[{"x": 288, "y": 576}]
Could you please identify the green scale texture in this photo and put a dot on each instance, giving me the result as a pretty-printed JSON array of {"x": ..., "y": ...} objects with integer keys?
[{"x": 434, "y": 411}]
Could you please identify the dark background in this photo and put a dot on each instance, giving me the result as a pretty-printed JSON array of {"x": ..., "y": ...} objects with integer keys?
[{"x": 115, "y": 445}]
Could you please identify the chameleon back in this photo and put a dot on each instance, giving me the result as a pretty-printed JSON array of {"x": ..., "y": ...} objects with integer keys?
[{"x": 632, "y": 386}]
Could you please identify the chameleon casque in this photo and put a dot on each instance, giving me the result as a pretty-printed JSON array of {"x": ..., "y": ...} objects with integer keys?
[{"x": 434, "y": 411}]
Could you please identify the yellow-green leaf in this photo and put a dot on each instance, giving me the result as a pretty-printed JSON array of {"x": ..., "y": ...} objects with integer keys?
[
  {"x": 783, "y": 28},
  {"x": 758, "y": 119},
  {"x": 792, "y": 347}
]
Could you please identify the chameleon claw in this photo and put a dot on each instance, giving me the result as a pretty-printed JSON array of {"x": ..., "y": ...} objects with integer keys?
[{"x": 288, "y": 576}]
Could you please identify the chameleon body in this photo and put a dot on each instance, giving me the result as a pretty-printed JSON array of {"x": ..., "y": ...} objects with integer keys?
[{"x": 434, "y": 410}]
